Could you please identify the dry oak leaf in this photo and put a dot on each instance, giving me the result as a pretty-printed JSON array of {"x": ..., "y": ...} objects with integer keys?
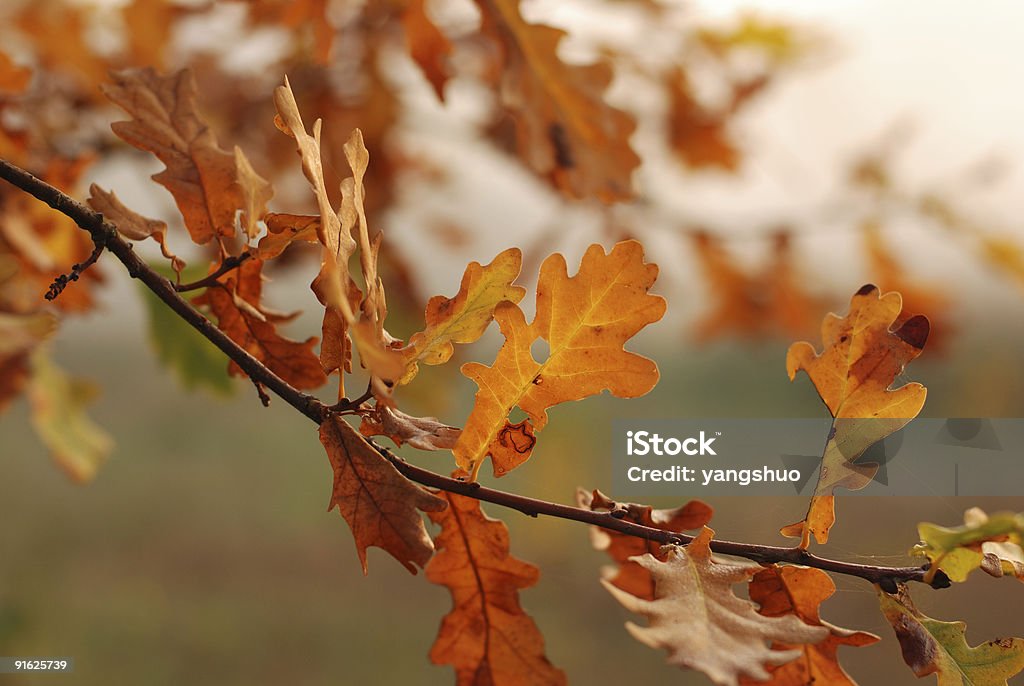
[
  {"x": 20, "y": 334},
  {"x": 629, "y": 575},
  {"x": 285, "y": 229},
  {"x": 464, "y": 318},
  {"x": 236, "y": 304},
  {"x": 703, "y": 624},
  {"x": 205, "y": 180},
  {"x": 791, "y": 590},
  {"x": 989, "y": 542},
  {"x": 486, "y": 637},
  {"x": 930, "y": 646},
  {"x": 58, "y": 403},
  {"x": 863, "y": 357},
  {"x": 425, "y": 433},
  {"x": 585, "y": 319},
  {"x": 131, "y": 224},
  {"x": 381, "y": 506},
  {"x": 565, "y": 129}
]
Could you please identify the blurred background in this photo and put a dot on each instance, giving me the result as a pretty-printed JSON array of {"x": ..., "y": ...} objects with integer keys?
[{"x": 772, "y": 157}]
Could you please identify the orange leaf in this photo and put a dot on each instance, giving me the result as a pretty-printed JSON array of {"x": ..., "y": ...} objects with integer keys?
[
  {"x": 486, "y": 637},
  {"x": 464, "y": 318},
  {"x": 236, "y": 304},
  {"x": 202, "y": 177},
  {"x": 13, "y": 79},
  {"x": 380, "y": 505},
  {"x": 427, "y": 45},
  {"x": 283, "y": 230},
  {"x": 565, "y": 129},
  {"x": 863, "y": 357},
  {"x": 782, "y": 591},
  {"x": 586, "y": 320},
  {"x": 630, "y": 576}
]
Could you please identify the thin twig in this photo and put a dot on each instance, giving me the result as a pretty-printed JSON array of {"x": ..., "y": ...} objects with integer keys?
[
  {"x": 311, "y": 407},
  {"x": 229, "y": 263}
]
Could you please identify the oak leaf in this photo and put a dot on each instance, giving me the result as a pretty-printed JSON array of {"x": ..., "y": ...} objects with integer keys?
[
  {"x": 285, "y": 229},
  {"x": 989, "y": 542},
  {"x": 930, "y": 646},
  {"x": 235, "y": 301},
  {"x": 131, "y": 224},
  {"x": 486, "y": 637},
  {"x": 565, "y": 129},
  {"x": 854, "y": 374},
  {"x": 425, "y": 433},
  {"x": 703, "y": 624},
  {"x": 630, "y": 576},
  {"x": 465, "y": 317},
  {"x": 585, "y": 319},
  {"x": 203, "y": 177},
  {"x": 791, "y": 590},
  {"x": 381, "y": 506}
]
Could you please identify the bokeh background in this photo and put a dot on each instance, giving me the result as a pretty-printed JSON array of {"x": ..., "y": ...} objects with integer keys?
[{"x": 882, "y": 142}]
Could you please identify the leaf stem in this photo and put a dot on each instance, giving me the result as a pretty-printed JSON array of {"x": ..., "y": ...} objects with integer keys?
[
  {"x": 229, "y": 263},
  {"x": 104, "y": 233}
]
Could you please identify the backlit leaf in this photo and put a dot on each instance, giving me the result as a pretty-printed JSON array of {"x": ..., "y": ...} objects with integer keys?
[
  {"x": 863, "y": 356},
  {"x": 990, "y": 542},
  {"x": 585, "y": 319}
]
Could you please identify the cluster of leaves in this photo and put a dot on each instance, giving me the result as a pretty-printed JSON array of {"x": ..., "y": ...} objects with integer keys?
[{"x": 564, "y": 130}]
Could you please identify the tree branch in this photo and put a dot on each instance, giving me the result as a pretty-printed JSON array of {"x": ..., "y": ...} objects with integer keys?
[
  {"x": 105, "y": 234},
  {"x": 229, "y": 263}
]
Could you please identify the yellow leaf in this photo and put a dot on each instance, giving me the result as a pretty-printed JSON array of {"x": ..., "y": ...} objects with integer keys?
[
  {"x": 862, "y": 358},
  {"x": 464, "y": 318},
  {"x": 585, "y": 319}
]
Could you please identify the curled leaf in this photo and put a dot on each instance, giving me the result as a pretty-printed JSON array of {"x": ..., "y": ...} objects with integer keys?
[
  {"x": 424, "y": 433},
  {"x": 131, "y": 224}
]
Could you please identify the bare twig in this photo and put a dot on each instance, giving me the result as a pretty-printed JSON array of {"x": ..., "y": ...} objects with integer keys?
[
  {"x": 229, "y": 263},
  {"x": 105, "y": 233}
]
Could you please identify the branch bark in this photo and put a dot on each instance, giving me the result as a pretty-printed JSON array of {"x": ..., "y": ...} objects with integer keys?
[{"x": 105, "y": 234}]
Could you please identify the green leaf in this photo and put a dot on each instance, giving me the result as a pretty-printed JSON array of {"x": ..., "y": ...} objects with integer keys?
[
  {"x": 933, "y": 647},
  {"x": 960, "y": 550},
  {"x": 196, "y": 362},
  {"x": 58, "y": 404}
]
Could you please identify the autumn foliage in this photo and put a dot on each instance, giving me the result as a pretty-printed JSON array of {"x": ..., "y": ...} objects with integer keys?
[{"x": 252, "y": 173}]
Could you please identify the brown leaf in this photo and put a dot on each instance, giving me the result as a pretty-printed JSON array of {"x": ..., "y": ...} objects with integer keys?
[
  {"x": 380, "y": 505},
  {"x": 486, "y": 637},
  {"x": 565, "y": 129},
  {"x": 791, "y": 590},
  {"x": 703, "y": 625},
  {"x": 20, "y": 334},
  {"x": 864, "y": 354},
  {"x": 256, "y": 193},
  {"x": 202, "y": 177},
  {"x": 236, "y": 304},
  {"x": 586, "y": 319},
  {"x": 131, "y": 224},
  {"x": 629, "y": 575},
  {"x": 285, "y": 229},
  {"x": 425, "y": 433}
]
